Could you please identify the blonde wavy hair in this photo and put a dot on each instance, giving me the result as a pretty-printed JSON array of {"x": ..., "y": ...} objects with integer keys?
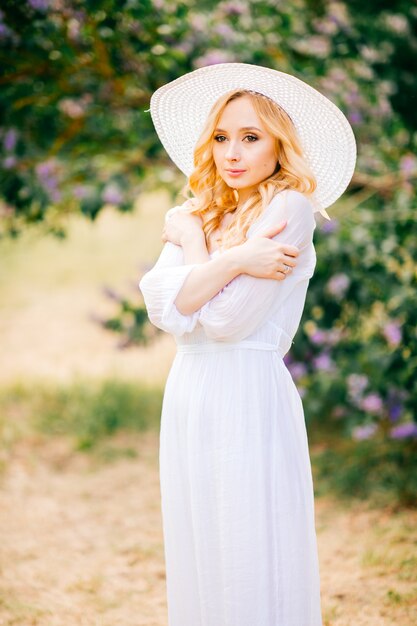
[{"x": 213, "y": 198}]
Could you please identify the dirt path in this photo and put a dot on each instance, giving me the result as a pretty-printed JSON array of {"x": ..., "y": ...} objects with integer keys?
[{"x": 81, "y": 544}]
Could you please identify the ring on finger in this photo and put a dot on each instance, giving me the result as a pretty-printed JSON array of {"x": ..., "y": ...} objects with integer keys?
[{"x": 287, "y": 268}]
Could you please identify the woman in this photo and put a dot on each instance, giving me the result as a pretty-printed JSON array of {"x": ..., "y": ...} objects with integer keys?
[{"x": 230, "y": 285}]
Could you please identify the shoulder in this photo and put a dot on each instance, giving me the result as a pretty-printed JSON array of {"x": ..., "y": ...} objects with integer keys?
[
  {"x": 292, "y": 206},
  {"x": 293, "y": 200}
]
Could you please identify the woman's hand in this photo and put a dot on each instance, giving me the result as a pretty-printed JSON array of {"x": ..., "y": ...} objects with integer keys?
[
  {"x": 181, "y": 225},
  {"x": 261, "y": 257}
]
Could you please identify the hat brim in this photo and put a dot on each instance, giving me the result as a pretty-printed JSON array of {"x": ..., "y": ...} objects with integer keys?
[{"x": 179, "y": 110}]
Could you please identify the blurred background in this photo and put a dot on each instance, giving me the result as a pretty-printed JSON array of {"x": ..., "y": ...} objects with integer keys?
[{"x": 84, "y": 187}]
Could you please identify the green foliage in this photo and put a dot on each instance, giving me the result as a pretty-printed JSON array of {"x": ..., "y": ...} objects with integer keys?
[
  {"x": 380, "y": 471},
  {"x": 354, "y": 357},
  {"x": 77, "y": 78},
  {"x": 87, "y": 411},
  {"x": 129, "y": 321},
  {"x": 75, "y": 83}
]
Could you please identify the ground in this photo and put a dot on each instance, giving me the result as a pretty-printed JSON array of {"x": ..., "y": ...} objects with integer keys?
[{"x": 82, "y": 544}]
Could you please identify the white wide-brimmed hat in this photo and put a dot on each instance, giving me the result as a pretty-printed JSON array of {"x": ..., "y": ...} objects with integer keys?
[{"x": 180, "y": 108}]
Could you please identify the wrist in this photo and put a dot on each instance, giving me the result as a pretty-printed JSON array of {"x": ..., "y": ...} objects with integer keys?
[
  {"x": 190, "y": 238},
  {"x": 233, "y": 256}
]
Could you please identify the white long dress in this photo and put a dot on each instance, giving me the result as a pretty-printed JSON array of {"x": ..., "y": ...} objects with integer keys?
[{"x": 236, "y": 484}]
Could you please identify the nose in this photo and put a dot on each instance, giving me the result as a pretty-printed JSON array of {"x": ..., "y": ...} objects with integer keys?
[{"x": 232, "y": 152}]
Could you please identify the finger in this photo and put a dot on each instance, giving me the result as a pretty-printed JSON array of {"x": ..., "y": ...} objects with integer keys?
[
  {"x": 274, "y": 230},
  {"x": 289, "y": 261},
  {"x": 289, "y": 250},
  {"x": 278, "y": 275},
  {"x": 283, "y": 275}
]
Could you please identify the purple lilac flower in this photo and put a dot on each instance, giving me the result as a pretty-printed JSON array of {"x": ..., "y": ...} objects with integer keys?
[
  {"x": 318, "y": 45},
  {"x": 318, "y": 337},
  {"x": 184, "y": 46},
  {"x": 112, "y": 194},
  {"x": 333, "y": 337},
  {"x": 10, "y": 139},
  {"x": 372, "y": 403},
  {"x": 212, "y": 57},
  {"x": 198, "y": 23},
  {"x": 330, "y": 227},
  {"x": 46, "y": 168},
  {"x": 47, "y": 175},
  {"x": 395, "y": 411},
  {"x": 325, "y": 337},
  {"x": 81, "y": 191},
  {"x": 392, "y": 333},
  {"x": 39, "y": 5},
  {"x": 338, "y": 13},
  {"x": 234, "y": 8},
  {"x": 356, "y": 383},
  {"x": 323, "y": 362},
  {"x": 297, "y": 370},
  {"x": 5, "y": 31},
  {"x": 408, "y": 164},
  {"x": 338, "y": 284},
  {"x": 325, "y": 26},
  {"x": 402, "y": 431},
  {"x": 363, "y": 432},
  {"x": 9, "y": 162},
  {"x": 355, "y": 117},
  {"x": 224, "y": 30},
  {"x": 352, "y": 96}
]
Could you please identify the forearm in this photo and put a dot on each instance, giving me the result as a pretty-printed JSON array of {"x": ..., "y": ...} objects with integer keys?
[
  {"x": 194, "y": 249},
  {"x": 206, "y": 280}
]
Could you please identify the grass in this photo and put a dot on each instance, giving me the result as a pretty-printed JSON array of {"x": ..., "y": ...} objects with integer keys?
[{"x": 87, "y": 412}]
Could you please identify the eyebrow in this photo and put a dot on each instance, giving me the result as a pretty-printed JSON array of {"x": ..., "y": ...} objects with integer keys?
[{"x": 216, "y": 130}]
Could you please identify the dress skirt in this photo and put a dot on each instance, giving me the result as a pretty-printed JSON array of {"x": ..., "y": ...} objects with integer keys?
[{"x": 237, "y": 492}]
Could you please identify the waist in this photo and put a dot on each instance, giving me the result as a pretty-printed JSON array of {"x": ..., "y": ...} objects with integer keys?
[{"x": 220, "y": 346}]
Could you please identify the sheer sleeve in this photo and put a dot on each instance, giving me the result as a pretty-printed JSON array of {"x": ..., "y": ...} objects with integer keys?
[
  {"x": 160, "y": 287},
  {"x": 247, "y": 302}
]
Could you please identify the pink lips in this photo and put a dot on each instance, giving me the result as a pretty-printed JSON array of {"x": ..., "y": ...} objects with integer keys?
[{"x": 235, "y": 172}]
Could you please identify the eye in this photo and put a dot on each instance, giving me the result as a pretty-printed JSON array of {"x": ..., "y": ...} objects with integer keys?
[{"x": 218, "y": 137}]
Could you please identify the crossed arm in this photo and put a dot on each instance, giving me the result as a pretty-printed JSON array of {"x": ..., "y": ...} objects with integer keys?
[{"x": 232, "y": 305}]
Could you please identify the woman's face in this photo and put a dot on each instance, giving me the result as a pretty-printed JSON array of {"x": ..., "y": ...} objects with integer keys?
[{"x": 241, "y": 143}]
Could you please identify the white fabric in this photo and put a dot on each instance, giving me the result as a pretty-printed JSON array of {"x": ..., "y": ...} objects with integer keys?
[{"x": 236, "y": 484}]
